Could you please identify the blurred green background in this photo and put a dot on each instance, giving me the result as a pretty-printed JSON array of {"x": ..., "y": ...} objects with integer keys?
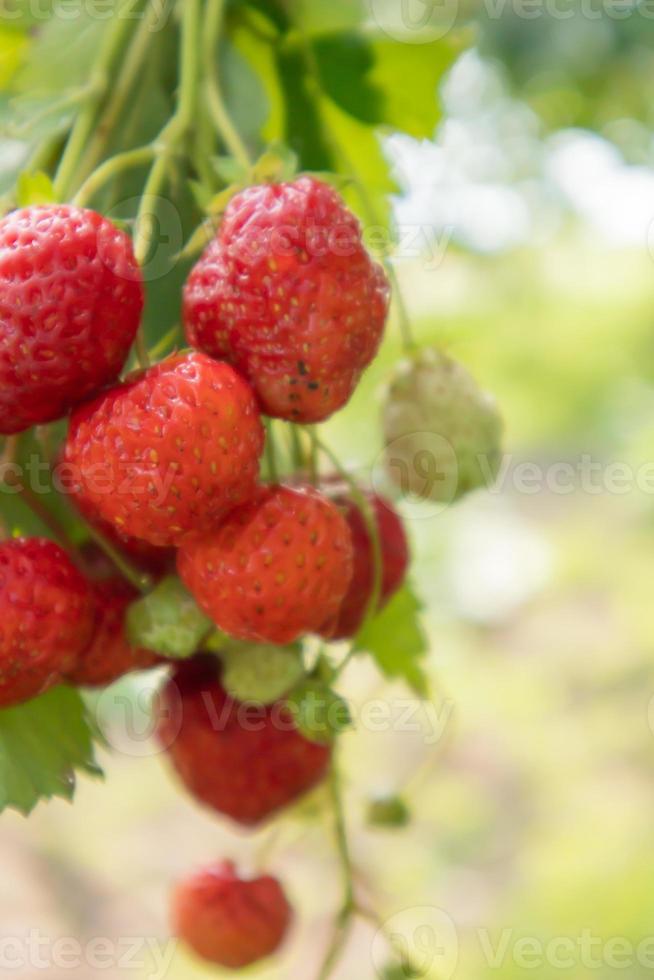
[{"x": 531, "y": 779}]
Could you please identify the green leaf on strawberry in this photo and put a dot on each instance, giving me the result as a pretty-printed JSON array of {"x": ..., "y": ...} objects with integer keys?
[
  {"x": 42, "y": 745},
  {"x": 396, "y": 640},
  {"x": 320, "y": 713},
  {"x": 167, "y": 621}
]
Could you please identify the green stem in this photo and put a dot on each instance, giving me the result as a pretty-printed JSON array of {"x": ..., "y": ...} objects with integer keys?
[
  {"x": 313, "y": 457},
  {"x": 230, "y": 136},
  {"x": 368, "y": 514},
  {"x": 271, "y": 452},
  {"x": 99, "y": 84},
  {"x": 348, "y": 909},
  {"x": 139, "y": 580},
  {"x": 110, "y": 169},
  {"x": 124, "y": 85},
  {"x": 166, "y": 144},
  {"x": 167, "y": 341},
  {"x": 297, "y": 453}
]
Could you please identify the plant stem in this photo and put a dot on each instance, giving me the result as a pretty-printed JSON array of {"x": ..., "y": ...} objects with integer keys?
[
  {"x": 112, "y": 168},
  {"x": 271, "y": 452},
  {"x": 230, "y": 136},
  {"x": 161, "y": 347},
  {"x": 166, "y": 143},
  {"x": 313, "y": 457},
  {"x": 348, "y": 910},
  {"x": 124, "y": 85},
  {"x": 10, "y": 450},
  {"x": 297, "y": 451},
  {"x": 138, "y": 579},
  {"x": 99, "y": 83}
]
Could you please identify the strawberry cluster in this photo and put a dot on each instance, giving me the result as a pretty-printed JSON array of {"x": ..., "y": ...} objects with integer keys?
[{"x": 283, "y": 313}]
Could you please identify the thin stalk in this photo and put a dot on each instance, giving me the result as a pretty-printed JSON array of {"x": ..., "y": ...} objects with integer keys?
[
  {"x": 313, "y": 458},
  {"x": 31, "y": 500},
  {"x": 348, "y": 910},
  {"x": 162, "y": 346},
  {"x": 123, "y": 87},
  {"x": 213, "y": 21},
  {"x": 166, "y": 143},
  {"x": 271, "y": 452},
  {"x": 100, "y": 80},
  {"x": 112, "y": 168},
  {"x": 297, "y": 452},
  {"x": 138, "y": 579}
]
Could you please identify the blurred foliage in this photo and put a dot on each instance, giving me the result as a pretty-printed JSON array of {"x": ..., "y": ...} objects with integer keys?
[{"x": 577, "y": 64}]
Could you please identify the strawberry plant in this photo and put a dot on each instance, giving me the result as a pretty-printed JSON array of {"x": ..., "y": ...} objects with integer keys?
[{"x": 186, "y": 292}]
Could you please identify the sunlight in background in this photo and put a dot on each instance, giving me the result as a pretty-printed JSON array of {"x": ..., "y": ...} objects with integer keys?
[{"x": 492, "y": 181}]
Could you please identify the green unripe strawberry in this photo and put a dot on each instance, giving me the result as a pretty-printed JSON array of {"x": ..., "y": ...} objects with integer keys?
[
  {"x": 442, "y": 432},
  {"x": 260, "y": 673}
]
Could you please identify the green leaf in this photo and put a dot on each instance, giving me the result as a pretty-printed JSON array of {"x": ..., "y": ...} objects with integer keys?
[
  {"x": 336, "y": 15},
  {"x": 62, "y": 54},
  {"x": 396, "y": 640},
  {"x": 389, "y": 812},
  {"x": 229, "y": 170},
  {"x": 35, "y": 189},
  {"x": 278, "y": 163},
  {"x": 320, "y": 713},
  {"x": 384, "y": 82},
  {"x": 261, "y": 673},
  {"x": 13, "y": 48},
  {"x": 304, "y": 129},
  {"x": 168, "y": 621},
  {"x": 42, "y": 744}
]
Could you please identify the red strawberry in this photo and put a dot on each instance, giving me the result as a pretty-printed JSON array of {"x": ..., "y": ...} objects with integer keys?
[
  {"x": 277, "y": 567},
  {"x": 395, "y": 558},
  {"x": 246, "y": 761},
  {"x": 71, "y": 298},
  {"x": 109, "y": 655},
  {"x": 170, "y": 451},
  {"x": 46, "y": 617},
  {"x": 230, "y": 921},
  {"x": 287, "y": 293}
]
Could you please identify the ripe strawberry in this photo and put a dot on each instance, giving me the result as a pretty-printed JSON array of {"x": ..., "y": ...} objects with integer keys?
[
  {"x": 246, "y": 761},
  {"x": 169, "y": 451},
  {"x": 395, "y": 557},
  {"x": 277, "y": 567},
  {"x": 287, "y": 293},
  {"x": 110, "y": 655},
  {"x": 443, "y": 432},
  {"x": 71, "y": 298},
  {"x": 46, "y": 617},
  {"x": 228, "y": 920}
]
